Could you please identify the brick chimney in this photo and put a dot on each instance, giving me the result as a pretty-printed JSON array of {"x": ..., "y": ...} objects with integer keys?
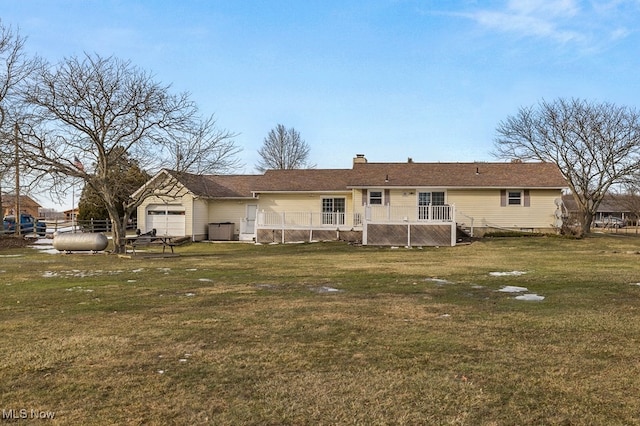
[{"x": 359, "y": 159}]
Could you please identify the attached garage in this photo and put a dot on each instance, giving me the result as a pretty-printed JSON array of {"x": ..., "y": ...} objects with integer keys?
[{"x": 166, "y": 219}]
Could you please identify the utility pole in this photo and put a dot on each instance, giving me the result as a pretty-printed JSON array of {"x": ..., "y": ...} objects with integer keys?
[
  {"x": 18, "y": 229},
  {"x": 3, "y": 170}
]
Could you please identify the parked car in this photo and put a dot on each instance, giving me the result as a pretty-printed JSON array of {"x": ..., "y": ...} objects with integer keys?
[
  {"x": 28, "y": 225},
  {"x": 609, "y": 222}
]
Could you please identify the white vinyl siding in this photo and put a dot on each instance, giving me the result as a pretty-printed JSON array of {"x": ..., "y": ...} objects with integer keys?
[
  {"x": 226, "y": 211},
  {"x": 234, "y": 211},
  {"x": 485, "y": 207},
  {"x": 299, "y": 202},
  {"x": 303, "y": 208},
  {"x": 197, "y": 226}
]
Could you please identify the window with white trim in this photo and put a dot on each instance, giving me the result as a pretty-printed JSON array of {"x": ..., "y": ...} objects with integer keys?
[
  {"x": 514, "y": 198},
  {"x": 333, "y": 211},
  {"x": 427, "y": 200},
  {"x": 376, "y": 197}
]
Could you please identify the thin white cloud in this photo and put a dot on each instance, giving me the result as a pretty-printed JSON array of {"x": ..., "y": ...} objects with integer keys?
[
  {"x": 620, "y": 33},
  {"x": 525, "y": 25},
  {"x": 558, "y": 8},
  {"x": 581, "y": 22}
]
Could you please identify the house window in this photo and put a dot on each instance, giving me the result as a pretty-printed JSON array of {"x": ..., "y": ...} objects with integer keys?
[
  {"x": 429, "y": 198},
  {"x": 375, "y": 197},
  {"x": 333, "y": 210},
  {"x": 514, "y": 198},
  {"x": 437, "y": 198}
]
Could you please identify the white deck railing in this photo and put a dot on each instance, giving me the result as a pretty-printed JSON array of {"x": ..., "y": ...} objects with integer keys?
[
  {"x": 308, "y": 219},
  {"x": 413, "y": 214},
  {"x": 376, "y": 214}
]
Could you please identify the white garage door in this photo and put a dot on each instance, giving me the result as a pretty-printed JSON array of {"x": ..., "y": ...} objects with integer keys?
[{"x": 166, "y": 219}]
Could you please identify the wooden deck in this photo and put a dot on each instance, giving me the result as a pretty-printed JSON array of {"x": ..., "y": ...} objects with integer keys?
[
  {"x": 376, "y": 234},
  {"x": 409, "y": 234}
]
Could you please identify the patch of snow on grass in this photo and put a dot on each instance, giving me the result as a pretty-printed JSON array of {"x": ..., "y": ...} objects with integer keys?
[
  {"x": 78, "y": 288},
  {"x": 76, "y": 273},
  {"x": 530, "y": 297},
  {"x": 205, "y": 280},
  {"x": 41, "y": 246},
  {"x": 326, "y": 289},
  {"x": 513, "y": 289},
  {"x": 507, "y": 274},
  {"x": 438, "y": 281}
]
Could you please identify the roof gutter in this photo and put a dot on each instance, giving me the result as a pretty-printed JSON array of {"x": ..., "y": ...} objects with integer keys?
[
  {"x": 302, "y": 191},
  {"x": 453, "y": 187}
]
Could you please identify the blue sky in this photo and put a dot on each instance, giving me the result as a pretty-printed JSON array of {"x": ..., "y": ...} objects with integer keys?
[{"x": 391, "y": 79}]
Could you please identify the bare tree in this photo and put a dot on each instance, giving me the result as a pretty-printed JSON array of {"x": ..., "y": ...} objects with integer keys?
[
  {"x": 283, "y": 149},
  {"x": 15, "y": 69},
  {"x": 203, "y": 148},
  {"x": 89, "y": 113},
  {"x": 595, "y": 145}
]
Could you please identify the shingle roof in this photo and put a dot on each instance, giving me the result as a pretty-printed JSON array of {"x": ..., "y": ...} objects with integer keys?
[
  {"x": 617, "y": 203},
  {"x": 458, "y": 175},
  {"x": 25, "y": 200},
  {"x": 304, "y": 180},
  {"x": 611, "y": 203},
  {"x": 388, "y": 175},
  {"x": 219, "y": 186}
]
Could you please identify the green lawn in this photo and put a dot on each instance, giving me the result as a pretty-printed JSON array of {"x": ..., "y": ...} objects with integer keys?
[{"x": 325, "y": 333}]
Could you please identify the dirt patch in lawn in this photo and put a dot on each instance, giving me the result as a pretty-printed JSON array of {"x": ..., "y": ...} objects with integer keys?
[{"x": 9, "y": 242}]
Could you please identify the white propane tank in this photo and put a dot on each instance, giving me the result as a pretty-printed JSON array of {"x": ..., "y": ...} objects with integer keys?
[{"x": 80, "y": 242}]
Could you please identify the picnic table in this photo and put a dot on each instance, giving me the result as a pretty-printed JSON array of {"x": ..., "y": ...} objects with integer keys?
[{"x": 150, "y": 239}]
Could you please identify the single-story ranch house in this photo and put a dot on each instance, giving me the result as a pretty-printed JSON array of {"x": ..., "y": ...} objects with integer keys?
[{"x": 404, "y": 204}]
